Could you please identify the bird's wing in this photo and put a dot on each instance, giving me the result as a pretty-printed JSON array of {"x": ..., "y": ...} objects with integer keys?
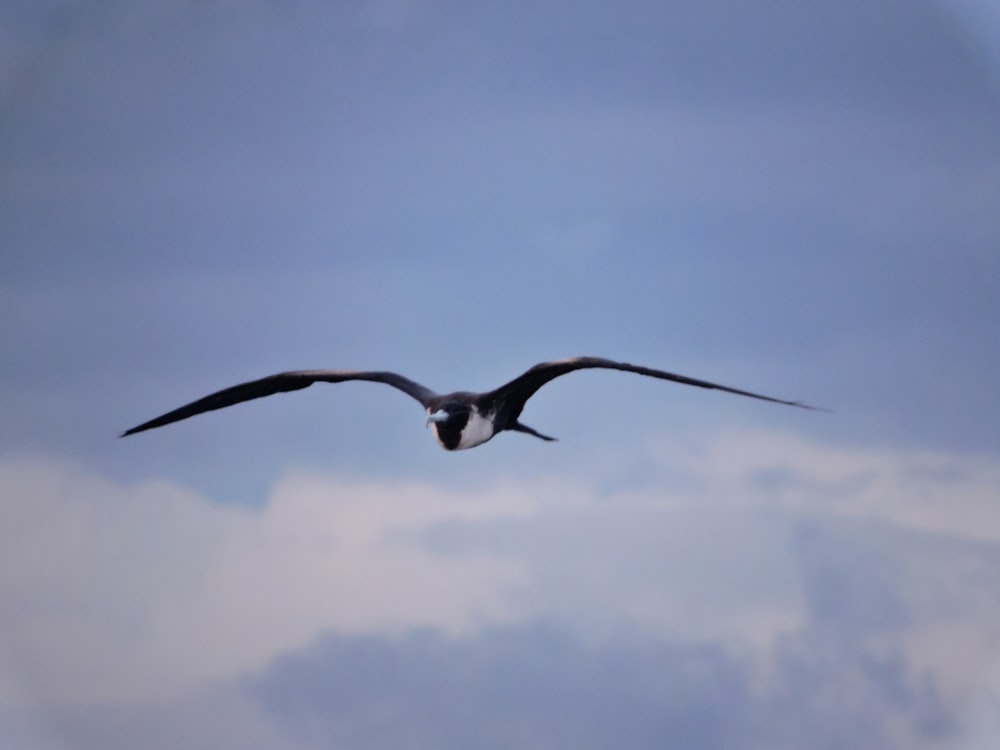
[
  {"x": 514, "y": 394},
  {"x": 282, "y": 383}
]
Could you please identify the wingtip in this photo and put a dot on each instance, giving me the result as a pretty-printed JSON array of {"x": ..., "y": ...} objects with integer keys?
[{"x": 812, "y": 408}]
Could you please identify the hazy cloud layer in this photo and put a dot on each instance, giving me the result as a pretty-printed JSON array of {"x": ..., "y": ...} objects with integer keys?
[
  {"x": 819, "y": 600},
  {"x": 538, "y": 687}
]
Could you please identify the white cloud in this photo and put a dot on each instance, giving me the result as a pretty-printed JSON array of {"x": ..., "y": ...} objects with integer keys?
[
  {"x": 116, "y": 593},
  {"x": 938, "y": 492}
]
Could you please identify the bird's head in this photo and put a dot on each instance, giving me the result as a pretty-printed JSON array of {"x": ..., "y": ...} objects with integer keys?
[{"x": 448, "y": 420}]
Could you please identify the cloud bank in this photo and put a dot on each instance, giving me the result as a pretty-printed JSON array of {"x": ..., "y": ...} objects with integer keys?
[{"x": 854, "y": 592}]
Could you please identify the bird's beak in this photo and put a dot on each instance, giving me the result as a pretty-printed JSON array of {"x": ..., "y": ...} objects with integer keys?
[{"x": 439, "y": 416}]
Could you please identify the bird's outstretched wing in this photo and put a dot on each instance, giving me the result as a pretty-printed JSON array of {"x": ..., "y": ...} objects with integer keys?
[
  {"x": 282, "y": 383},
  {"x": 514, "y": 394}
]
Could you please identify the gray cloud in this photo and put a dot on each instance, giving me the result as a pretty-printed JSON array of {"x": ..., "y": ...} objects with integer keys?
[
  {"x": 203, "y": 721},
  {"x": 536, "y": 686}
]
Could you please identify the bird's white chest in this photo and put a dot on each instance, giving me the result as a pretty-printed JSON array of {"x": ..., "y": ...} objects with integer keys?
[{"x": 477, "y": 430}]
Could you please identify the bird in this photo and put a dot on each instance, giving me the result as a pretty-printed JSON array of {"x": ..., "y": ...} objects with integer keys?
[{"x": 460, "y": 420}]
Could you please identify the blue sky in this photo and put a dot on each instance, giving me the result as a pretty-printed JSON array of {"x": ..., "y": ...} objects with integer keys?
[{"x": 799, "y": 200}]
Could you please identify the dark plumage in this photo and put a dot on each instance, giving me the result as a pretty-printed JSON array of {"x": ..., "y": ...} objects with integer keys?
[{"x": 462, "y": 419}]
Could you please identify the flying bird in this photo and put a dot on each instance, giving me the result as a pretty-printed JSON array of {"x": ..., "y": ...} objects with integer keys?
[{"x": 461, "y": 419}]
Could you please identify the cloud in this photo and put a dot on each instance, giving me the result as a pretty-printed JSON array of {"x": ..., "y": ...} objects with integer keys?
[
  {"x": 134, "y": 592},
  {"x": 537, "y": 686},
  {"x": 529, "y": 685},
  {"x": 518, "y": 687},
  {"x": 934, "y": 491},
  {"x": 118, "y": 593},
  {"x": 203, "y": 720}
]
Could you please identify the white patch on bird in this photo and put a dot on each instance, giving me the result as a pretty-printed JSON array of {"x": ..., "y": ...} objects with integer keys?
[{"x": 477, "y": 430}]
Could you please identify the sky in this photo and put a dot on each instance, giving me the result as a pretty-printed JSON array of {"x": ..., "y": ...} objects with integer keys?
[{"x": 794, "y": 199}]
